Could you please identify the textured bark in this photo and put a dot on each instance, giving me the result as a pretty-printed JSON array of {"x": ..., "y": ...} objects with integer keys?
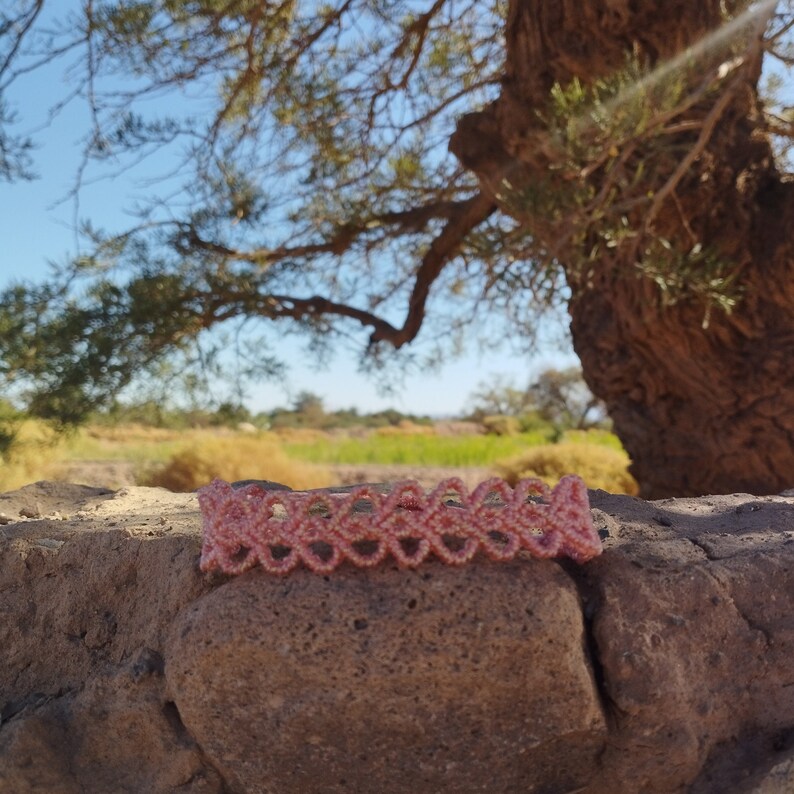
[{"x": 699, "y": 409}]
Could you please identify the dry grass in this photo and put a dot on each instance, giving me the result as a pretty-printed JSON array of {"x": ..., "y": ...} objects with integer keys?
[
  {"x": 132, "y": 433},
  {"x": 599, "y": 466},
  {"x": 236, "y": 458},
  {"x": 35, "y": 455},
  {"x": 300, "y": 435},
  {"x": 406, "y": 428}
]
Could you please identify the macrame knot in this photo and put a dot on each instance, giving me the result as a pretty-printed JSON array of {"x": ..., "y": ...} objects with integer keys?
[{"x": 280, "y": 529}]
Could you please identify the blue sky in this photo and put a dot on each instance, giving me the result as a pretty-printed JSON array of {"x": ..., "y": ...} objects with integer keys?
[{"x": 37, "y": 226}]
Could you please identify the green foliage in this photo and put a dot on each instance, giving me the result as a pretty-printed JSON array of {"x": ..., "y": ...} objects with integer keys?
[
  {"x": 499, "y": 397},
  {"x": 70, "y": 358},
  {"x": 436, "y": 450},
  {"x": 15, "y": 151},
  {"x": 533, "y": 422},
  {"x": 182, "y": 457},
  {"x": 140, "y": 445},
  {"x": 593, "y": 435},
  {"x": 562, "y": 399},
  {"x": 612, "y": 147},
  {"x": 304, "y": 137},
  {"x": 589, "y": 119},
  {"x": 700, "y": 272},
  {"x": 418, "y": 450},
  {"x": 10, "y": 422},
  {"x": 312, "y": 184},
  {"x": 308, "y": 412},
  {"x": 157, "y": 414}
]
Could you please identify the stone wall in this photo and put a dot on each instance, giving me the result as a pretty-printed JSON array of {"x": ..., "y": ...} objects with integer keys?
[{"x": 665, "y": 665}]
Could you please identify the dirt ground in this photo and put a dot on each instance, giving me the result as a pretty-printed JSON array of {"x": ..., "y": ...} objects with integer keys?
[{"x": 120, "y": 474}]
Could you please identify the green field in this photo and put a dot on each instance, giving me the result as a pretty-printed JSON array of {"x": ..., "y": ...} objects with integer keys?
[{"x": 430, "y": 450}]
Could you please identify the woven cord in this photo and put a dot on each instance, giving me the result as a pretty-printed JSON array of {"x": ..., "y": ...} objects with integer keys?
[{"x": 281, "y": 529}]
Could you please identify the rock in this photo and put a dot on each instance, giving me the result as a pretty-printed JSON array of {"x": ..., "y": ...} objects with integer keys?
[
  {"x": 97, "y": 587},
  {"x": 759, "y": 762},
  {"x": 778, "y": 779},
  {"x": 665, "y": 665},
  {"x": 265, "y": 485},
  {"x": 440, "y": 679},
  {"x": 693, "y": 622},
  {"x": 84, "y": 608},
  {"x": 47, "y": 497},
  {"x": 119, "y": 733}
]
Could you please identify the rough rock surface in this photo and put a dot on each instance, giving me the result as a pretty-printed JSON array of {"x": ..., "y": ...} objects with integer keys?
[
  {"x": 391, "y": 681},
  {"x": 692, "y": 618},
  {"x": 665, "y": 665}
]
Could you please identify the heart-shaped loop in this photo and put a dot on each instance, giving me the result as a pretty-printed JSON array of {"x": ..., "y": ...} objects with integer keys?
[
  {"x": 365, "y": 551},
  {"x": 500, "y": 545},
  {"x": 409, "y": 551}
]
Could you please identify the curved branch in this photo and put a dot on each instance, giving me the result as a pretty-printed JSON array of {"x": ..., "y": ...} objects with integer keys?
[
  {"x": 448, "y": 243},
  {"x": 709, "y": 124},
  {"x": 419, "y": 29},
  {"x": 445, "y": 246},
  {"x": 412, "y": 220}
]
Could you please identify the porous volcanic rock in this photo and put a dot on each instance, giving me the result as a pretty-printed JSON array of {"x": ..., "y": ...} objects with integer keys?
[
  {"x": 665, "y": 665},
  {"x": 87, "y": 592},
  {"x": 439, "y": 679},
  {"x": 118, "y": 733},
  {"x": 691, "y": 611}
]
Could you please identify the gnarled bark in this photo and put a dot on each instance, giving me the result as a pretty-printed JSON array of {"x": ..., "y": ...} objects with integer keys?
[{"x": 701, "y": 407}]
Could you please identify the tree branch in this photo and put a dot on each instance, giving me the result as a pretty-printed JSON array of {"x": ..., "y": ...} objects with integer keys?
[
  {"x": 412, "y": 220},
  {"x": 468, "y": 215},
  {"x": 23, "y": 23},
  {"x": 709, "y": 124}
]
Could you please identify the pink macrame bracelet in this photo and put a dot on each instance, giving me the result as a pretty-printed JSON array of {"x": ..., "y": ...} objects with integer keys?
[{"x": 280, "y": 529}]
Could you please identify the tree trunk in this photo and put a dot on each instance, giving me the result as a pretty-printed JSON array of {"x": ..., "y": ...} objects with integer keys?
[
  {"x": 703, "y": 400},
  {"x": 700, "y": 410}
]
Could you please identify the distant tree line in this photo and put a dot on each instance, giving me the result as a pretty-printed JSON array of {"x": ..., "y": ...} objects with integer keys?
[
  {"x": 557, "y": 399},
  {"x": 307, "y": 410}
]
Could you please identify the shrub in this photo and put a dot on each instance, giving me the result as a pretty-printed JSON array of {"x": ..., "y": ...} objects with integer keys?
[
  {"x": 599, "y": 466},
  {"x": 533, "y": 422},
  {"x": 406, "y": 427},
  {"x": 236, "y": 458},
  {"x": 31, "y": 452},
  {"x": 300, "y": 435},
  {"x": 499, "y": 425}
]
